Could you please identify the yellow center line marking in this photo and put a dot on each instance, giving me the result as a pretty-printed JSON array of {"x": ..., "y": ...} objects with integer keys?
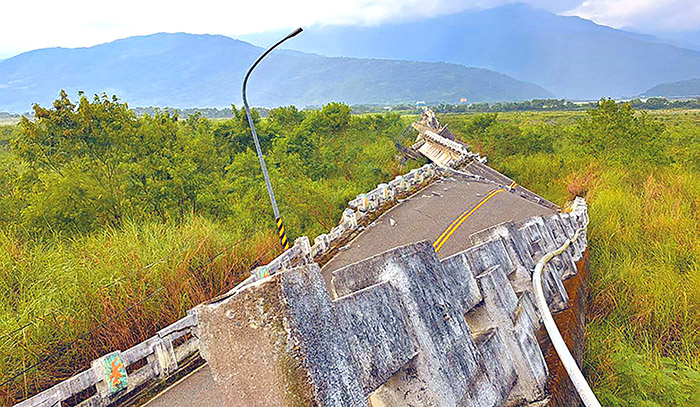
[
  {"x": 453, "y": 224},
  {"x": 461, "y": 219}
]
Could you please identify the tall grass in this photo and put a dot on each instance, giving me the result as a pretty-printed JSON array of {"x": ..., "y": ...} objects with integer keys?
[
  {"x": 66, "y": 288},
  {"x": 643, "y": 334},
  {"x": 644, "y": 331}
]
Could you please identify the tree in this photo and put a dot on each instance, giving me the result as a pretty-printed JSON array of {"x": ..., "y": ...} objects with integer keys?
[
  {"x": 75, "y": 153},
  {"x": 617, "y": 133}
]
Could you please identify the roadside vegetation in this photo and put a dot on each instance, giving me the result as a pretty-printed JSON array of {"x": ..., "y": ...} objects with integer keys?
[
  {"x": 111, "y": 218},
  {"x": 640, "y": 174},
  {"x": 113, "y": 224}
]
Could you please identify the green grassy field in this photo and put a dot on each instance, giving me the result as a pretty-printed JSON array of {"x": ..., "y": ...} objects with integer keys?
[
  {"x": 172, "y": 212},
  {"x": 643, "y": 332}
]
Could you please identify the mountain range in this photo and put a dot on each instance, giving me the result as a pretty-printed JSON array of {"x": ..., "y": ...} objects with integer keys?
[
  {"x": 512, "y": 52},
  {"x": 680, "y": 89},
  {"x": 186, "y": 70},
  {"x": 569, "y": 56}
]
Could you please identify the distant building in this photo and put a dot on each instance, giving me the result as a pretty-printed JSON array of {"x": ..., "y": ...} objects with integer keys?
[{"x": 420, "y": 103}]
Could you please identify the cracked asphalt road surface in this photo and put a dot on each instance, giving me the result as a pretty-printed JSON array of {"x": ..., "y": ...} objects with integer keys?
[{"x": 427, "y": 213}]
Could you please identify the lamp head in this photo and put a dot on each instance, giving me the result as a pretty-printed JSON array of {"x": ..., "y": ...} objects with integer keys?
[{"x": 295, "y": 33}]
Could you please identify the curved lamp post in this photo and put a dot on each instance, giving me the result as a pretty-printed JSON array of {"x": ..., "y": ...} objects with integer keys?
[{"x": 279, "y": 223}]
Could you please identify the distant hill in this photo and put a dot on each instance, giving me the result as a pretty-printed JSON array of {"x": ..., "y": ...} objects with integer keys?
[
  {"x": 570, "y": 56},
  {"x": 684, "y": 39},
  {"x": 687, "y": 88},
  {"x": 186, "y": 70}
]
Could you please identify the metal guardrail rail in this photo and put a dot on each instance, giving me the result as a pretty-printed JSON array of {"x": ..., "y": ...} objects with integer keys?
[{"x": 584, "y": 390}]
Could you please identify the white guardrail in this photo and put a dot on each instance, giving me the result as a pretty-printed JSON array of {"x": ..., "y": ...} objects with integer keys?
[
  {"x": 160, "y": 356},
  {"x": 584, "y": 390}
]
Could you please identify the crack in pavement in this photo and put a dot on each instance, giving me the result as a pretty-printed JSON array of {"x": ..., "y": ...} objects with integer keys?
[{"x": 426, "y": 215}]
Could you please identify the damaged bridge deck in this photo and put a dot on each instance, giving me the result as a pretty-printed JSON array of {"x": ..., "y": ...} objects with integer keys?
[
  {"x": 422, "y": 216},
  {"x": 427, "y": 213},
  {"x": 438, "y": 257}
]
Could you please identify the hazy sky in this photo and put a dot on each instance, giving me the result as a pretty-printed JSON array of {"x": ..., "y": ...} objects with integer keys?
[{"x": 74, "y": 23}]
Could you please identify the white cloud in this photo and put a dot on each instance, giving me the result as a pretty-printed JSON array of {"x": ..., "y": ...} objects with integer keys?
[
  {"x": 642, "y": 15},
  {"x": 76, "y": 23}
]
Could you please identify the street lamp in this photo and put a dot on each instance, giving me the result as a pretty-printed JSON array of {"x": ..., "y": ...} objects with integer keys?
[{"x": 279, "y": 223}]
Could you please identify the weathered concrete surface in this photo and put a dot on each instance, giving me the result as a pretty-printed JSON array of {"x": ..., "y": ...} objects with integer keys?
[
  {"x": 280, "y": 330},
  {"x": 448, "y": 365},
  {"x": 196, "y": 389},
  {"x": 402, "y": 327},
  {"x": 518, "y": 250},
  {"x": 426, "y": 214},
  {"x": 499, "y": 309},
  {"x": 459, "y": 277},
  {"x": 377, "y": 332},
  {"x": 405, "y": 388},
  {"x": 498, "y": 361}
]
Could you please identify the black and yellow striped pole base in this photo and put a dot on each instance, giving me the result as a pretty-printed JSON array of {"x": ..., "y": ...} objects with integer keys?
[{"x": 282, "y": 233}]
